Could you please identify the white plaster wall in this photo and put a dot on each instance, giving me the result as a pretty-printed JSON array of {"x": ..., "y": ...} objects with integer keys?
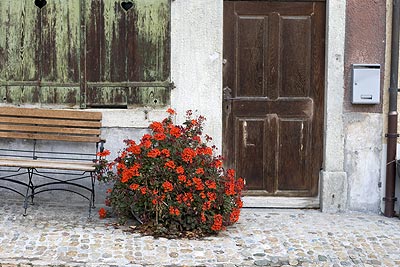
[
  {"x": 363, "y": 148},
  {"x": 196, "y": 57}
]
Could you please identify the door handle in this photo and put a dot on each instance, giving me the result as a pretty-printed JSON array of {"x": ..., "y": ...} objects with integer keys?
[{"x": 227, "y": 93}]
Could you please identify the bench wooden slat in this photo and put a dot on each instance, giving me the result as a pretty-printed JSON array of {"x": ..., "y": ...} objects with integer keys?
[
  {"x": 47, "y": 164},
  {"x": 58, "y": 122},
  {"x": 44, "y": 129},
  {"x": 52, "y": 137},
  {"x": 53, "y": 113}
]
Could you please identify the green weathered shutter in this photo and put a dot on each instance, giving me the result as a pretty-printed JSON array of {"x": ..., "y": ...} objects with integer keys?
[
  {"x": 127, "y": 52},
  {"x": 85, "y": 52}
]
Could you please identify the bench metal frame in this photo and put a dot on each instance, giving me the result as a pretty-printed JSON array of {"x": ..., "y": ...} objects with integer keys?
[{"x": 50, "y": 166}]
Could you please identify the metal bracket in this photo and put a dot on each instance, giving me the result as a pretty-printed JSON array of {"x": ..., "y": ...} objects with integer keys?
[
  {"x": 385, "y": 199},
  {"x": 171, "y": 86},
  {"x": 392, "y": 135}
]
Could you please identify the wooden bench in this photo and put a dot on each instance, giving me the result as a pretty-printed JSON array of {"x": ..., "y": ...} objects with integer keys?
[{"x": 50, "y": 154}]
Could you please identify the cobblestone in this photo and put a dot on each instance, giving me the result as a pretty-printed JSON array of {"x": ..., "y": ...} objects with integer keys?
[{"x": 61, "y": 235}]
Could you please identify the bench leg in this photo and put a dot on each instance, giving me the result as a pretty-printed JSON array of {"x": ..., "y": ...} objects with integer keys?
[
  {"x": 30, "y": 188},
  {"x": 92, "y": 195}
]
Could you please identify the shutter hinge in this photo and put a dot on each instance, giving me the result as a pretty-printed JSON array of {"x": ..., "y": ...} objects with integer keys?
[{"x": 171, "y": 86}]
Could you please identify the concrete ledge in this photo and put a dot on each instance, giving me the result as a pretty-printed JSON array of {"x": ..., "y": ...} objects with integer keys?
[{"x": 281, "y": 202}]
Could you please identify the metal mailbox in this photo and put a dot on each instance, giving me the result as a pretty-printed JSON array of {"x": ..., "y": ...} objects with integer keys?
[{"x": 366, "y": 83}]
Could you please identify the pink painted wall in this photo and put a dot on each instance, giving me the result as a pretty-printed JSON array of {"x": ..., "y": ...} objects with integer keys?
[{"x": 365, "y": 44}]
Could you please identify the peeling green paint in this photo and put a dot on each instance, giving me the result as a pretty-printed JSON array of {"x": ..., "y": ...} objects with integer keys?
[
  {"x": 153, "y": 20},
  {"x": 58, "y": 95},
  {"x": 18, "y": 41},
  {"x": 60, "y": 46}
]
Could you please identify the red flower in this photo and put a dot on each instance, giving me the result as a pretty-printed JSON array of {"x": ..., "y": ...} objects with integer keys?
[
  {"x": 134, "y": 186},
  {"x": 180, "y": 170},
  {"x": 128, "y": 174},
  {"x": 102, "y": 213},
  {"x": 203, "y": 217},
  {"x": 174, "y": 211},
  {"x": 146, "y": 143},
  {"x": 198, "y": 184},
  {"x": 211, "y": 184},
  {"x": 200, "y": 171},
  {"x": 197, "y": 138},
  {"x": 230, "y": 189},
  {"x": 135, "y": 149},
  {"x": 169, "y": 164},
  {"x": 234, "y": 216},
  {"x": 239, "y": 203},
  {"x": 154, "y": 153},
  {"x": 188, "y": 154},
  {"x": 168, "y": 187},
  {"x": 146, "y": 137},
  {"x": 146, "y": 140},
  {"x": 206, "y": 206},
  {"x": 230, "y": 173},
  {"x": 189, "y": 182},
  {"x": 157, "y": 127},
  {"x": 217, "y": 226},
  {"x": 171, "y": 111},
  {"x": 165, "y": 152},
  {"x": 218, "y": 164},
  {"x": 182, "y": 178},
  {"x": 204, "y": 151},
  {"x": 159, "y": 136},
  {"x": 240, "y": 184},
  {"x": 175, "y": 131},
  {"x": 143, "y": 190},
  {"x": 211, "y": 196},
  {"x": 103, "y": 154}
]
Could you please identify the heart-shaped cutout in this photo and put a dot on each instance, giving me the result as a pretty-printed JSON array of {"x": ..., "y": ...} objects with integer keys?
[
  {"x": 127, "y": 5},
  {"x": 40, "y": 3}
]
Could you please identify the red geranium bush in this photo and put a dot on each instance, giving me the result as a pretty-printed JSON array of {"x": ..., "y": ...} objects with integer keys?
[{"x": 172, "y": 182}]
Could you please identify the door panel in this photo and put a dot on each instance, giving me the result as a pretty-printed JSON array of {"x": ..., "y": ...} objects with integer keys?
[
  {"x": 250, "y": 50},
  {"x": 295, "y": 56},
  {"x": 250, "y": 142},
  {"x": 273, "y": 94}
]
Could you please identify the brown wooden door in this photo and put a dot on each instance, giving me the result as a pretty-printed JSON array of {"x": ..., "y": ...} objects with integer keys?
[{"x": 274, "y": 94}]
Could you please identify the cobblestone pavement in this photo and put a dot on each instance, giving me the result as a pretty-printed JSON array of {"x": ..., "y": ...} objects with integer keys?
[{"x": 56, "y": 235}]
